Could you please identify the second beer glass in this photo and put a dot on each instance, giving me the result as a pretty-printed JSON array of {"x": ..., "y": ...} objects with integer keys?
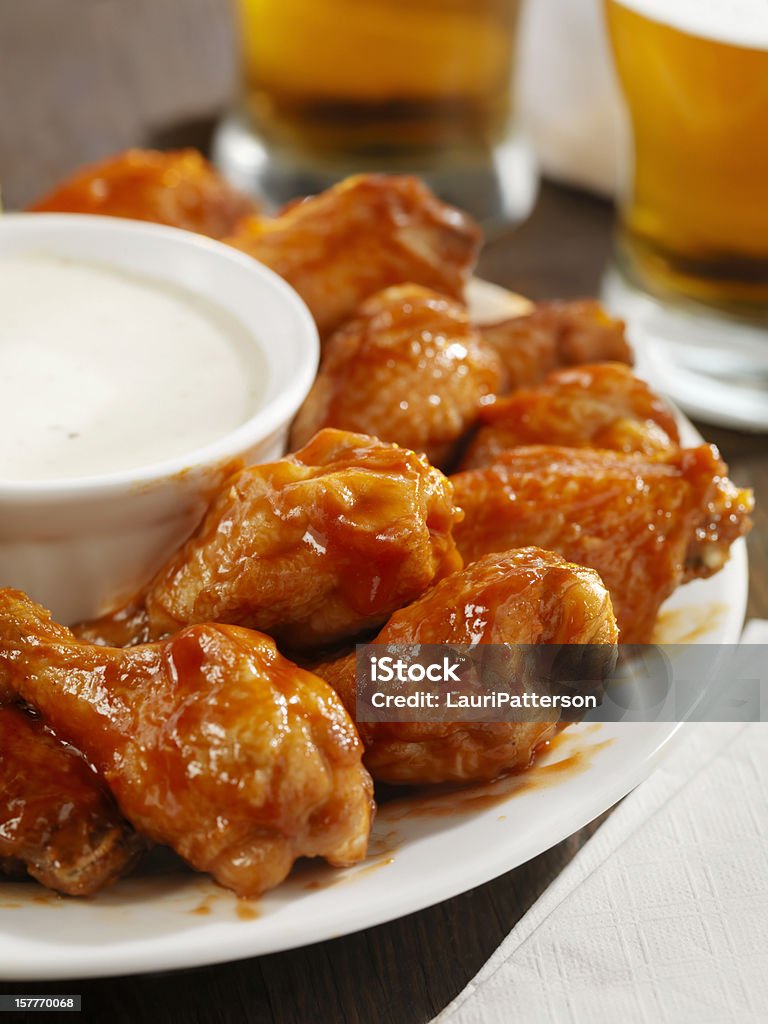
[{"x": 692, "y": 241}]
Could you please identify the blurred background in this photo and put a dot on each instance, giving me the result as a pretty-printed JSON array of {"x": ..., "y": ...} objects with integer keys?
[
  {"x": 86, "y": 78},
  {"x": 661, "y": 107}
]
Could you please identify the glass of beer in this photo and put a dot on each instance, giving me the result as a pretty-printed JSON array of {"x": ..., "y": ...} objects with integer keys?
[
  {"x": 691, "y": 272},
  {"x": 333, "y": 87}
]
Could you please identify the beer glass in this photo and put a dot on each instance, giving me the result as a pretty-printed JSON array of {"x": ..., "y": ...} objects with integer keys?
[
  {"x": 333, "y": 87},
  {"x": 691, "y": 272}
]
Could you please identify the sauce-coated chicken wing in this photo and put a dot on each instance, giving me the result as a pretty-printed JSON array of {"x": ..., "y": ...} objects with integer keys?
[
  {"x": 312, "y": 548},
  {"x": 556, "y": 334},
  {"x": 211, "y": 742},
  {"x": 360, "y": 236},
  {"x": 180, "y": 189},
  {"x": 408, "y": 368},
  {"x": 527, "y": 596},
  {"x": 725, "y": 519},
  {"x": 598, "y": 406},
  {"x": 58, "y": 821},
  {"x": 644, "y": 524}
]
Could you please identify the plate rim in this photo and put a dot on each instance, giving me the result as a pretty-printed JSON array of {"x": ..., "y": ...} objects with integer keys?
[{"x": 149, "y": 954}]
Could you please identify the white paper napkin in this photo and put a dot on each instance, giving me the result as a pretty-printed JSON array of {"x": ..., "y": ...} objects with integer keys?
[
  {"x": 569, "y": 99},
  {"x": 663, "y": 915}
]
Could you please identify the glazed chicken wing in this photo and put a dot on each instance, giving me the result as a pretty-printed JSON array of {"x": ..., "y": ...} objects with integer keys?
[
  {"x": 645, "y": 525},
  {"x": 58, "y": 822},
  {"x": 725, "y": 519},
  {"x": 312, "y": 548},
  {"x": 519, "y": 597},
  {"x": 408, "y": 368},
  {"x": 599, "y": 406},
  {"x": 360, "y": 236},
  {"x": 180, "y": 189},
  {"x": 556, "y": 334},
  {"x": 212, "y": 743}
]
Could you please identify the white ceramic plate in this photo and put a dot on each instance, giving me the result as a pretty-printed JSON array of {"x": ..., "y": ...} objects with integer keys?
[{"x": 424, "y": 849}]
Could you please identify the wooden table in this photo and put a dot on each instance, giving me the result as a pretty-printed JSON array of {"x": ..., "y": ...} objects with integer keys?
[{"x": 406, "y": 971}]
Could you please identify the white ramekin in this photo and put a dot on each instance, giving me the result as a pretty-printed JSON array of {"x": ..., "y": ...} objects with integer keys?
[{"x": 80, "y": 546}]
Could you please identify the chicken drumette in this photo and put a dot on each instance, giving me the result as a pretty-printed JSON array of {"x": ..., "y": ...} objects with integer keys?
[
  {"x": 408, "y": 368},
  {"x": 594, "y": 406},
  {"x": 211, "y": 742},
  {"x": 312, "y": 548},
  {"x": 180, "y": 189},
  {"x": 360, "y": 236},
  {"x": 646, "y": 525},
  {"x": 555, "y": 334},
  {"x": 527, "y": 596},
  {"x": 58, "y": 822}
]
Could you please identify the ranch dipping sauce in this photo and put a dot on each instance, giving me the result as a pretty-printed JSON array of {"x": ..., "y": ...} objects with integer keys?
[{"x": 102, "y": 370}]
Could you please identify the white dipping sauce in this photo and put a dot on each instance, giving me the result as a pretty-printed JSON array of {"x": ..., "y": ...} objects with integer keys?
[{"x": 102, "y": 371}]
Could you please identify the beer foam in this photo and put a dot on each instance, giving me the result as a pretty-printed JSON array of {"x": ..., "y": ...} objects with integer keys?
[{"x": 738, "y": 22}]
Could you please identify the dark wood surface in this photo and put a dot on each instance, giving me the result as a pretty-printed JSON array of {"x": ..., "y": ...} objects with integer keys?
[{"x": 406, "y": 971}]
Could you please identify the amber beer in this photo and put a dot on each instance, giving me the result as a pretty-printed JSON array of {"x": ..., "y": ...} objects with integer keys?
[
  {"x": 694, "y": 218},
  {"x": 415, "y": 79}
]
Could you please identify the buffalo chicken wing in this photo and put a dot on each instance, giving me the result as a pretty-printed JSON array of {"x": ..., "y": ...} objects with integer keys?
[
  {"x": 180, "y": 189},
  {"x": 312, "y": 548},
  {"x": 360, "y": 236},
  {"x": 646, "y": 525},
  {"x": 519, "y": 597},
  {"x": 556, "y": 334},
  {"x": 408, "y": 368},
  {"x": 598, "y": 406},
  {"x": 58, "y": 822},
  {"x": 211, "y": 742}
]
